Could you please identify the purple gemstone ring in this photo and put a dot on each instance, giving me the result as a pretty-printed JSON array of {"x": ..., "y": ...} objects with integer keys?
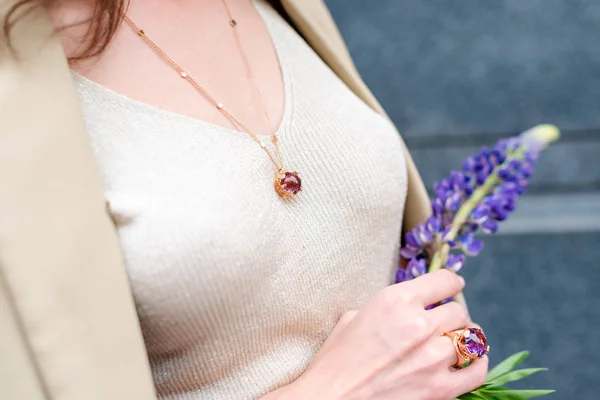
[{"x": 469, "y": 344}]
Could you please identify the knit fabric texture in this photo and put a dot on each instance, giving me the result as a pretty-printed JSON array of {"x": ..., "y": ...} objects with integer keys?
[{"x": 236, "y": 288}]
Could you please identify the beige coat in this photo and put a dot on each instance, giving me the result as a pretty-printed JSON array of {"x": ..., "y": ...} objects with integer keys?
[{"x": 68, "y": 326}]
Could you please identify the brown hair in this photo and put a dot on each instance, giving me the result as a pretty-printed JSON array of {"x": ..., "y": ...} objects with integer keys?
[{"x": 102, "y": 25}]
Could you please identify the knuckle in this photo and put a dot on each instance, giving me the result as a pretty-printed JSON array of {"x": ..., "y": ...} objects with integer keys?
[
  {"x": 420, "y": 326},
  {"x": 393, "y": 296},
  {"x": 435, "y": 354},
  {"x": 406, "y": 295},
  {"x": 384, "y": 300}
]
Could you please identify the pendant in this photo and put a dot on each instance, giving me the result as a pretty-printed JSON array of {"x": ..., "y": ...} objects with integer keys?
[{"x": 287, "y": 184}]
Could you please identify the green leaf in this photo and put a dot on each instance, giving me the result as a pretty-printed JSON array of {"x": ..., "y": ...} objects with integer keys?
[
  {"x": 471, "y": 396},
  {"x": 508, "y": 394},
  {"x": 507, "y": 365},
  {"x": 503, "y": 396},
  {"x": 515, "y": 376}
]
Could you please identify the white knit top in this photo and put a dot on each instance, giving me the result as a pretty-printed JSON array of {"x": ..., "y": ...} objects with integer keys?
[{"x": 236, "y": 288}]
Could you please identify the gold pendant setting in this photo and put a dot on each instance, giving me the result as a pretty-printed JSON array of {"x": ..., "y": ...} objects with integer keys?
[{"x": 287, "y": 184}]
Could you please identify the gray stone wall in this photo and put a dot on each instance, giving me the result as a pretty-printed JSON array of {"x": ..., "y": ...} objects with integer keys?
[{"x": 456, "y": 75}]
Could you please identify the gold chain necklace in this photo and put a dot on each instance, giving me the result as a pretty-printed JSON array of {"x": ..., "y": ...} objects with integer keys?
[{"x": 287, "y": 183}]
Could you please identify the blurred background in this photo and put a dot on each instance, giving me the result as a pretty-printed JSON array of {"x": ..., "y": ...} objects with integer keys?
[{"x": 456, "y": 75}]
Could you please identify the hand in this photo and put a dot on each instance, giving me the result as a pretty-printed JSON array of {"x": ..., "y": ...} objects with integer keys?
[{"x": 393, "y": 348}]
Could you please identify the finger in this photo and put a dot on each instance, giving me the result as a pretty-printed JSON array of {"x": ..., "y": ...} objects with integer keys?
[
  {"x": 435, "y": 287},
  {"x": 448, "y": 317},
  {"x": 460, "y": 299},
  {"x": 441, "y": 350},
  {"x": 469, "y": 378}
]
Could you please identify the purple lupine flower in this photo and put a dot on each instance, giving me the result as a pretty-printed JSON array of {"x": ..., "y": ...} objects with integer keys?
[
  {"x": 455, "y": 262},
  {"x": 469, "y": 245},
  {"x": 489, "y": 226},
  {"x": 473, "y": 201},
  {"x": 416, "y": 267},
  {"x": 400, "y": 275}
]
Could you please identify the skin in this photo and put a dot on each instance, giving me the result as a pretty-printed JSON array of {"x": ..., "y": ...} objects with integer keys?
[
  {"x": 389, "y": 349},
  {"x": 393, "y": 348},
  {"x": 196, "y": 35}
]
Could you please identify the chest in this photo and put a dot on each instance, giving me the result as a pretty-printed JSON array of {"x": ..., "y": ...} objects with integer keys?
[
  {"x": 223, "y": 46},
  {"x": 202, "y": 227},
  {"x": 206, "y": 239}
]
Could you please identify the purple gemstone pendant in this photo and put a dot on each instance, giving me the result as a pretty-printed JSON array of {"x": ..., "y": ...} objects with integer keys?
[{"x": 287, "y": 184}]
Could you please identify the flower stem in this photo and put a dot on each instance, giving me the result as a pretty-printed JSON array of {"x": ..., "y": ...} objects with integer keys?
[{"x": 440, "y": 256}]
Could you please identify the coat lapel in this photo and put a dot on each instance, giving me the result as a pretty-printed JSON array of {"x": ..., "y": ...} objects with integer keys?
[
  {"x": 313, "y": 20},
  {"x": 61, "y": 273}
]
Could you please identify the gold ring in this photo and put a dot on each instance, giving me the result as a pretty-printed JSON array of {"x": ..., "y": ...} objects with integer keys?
[{"x": 469, "y": 344}]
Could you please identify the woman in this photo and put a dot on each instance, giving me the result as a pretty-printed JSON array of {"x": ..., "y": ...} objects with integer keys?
[{"x": 245, "y": 286}]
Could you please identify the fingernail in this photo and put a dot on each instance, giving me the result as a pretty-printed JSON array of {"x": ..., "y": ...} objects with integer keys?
[{"x": 462, "y": 280}]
